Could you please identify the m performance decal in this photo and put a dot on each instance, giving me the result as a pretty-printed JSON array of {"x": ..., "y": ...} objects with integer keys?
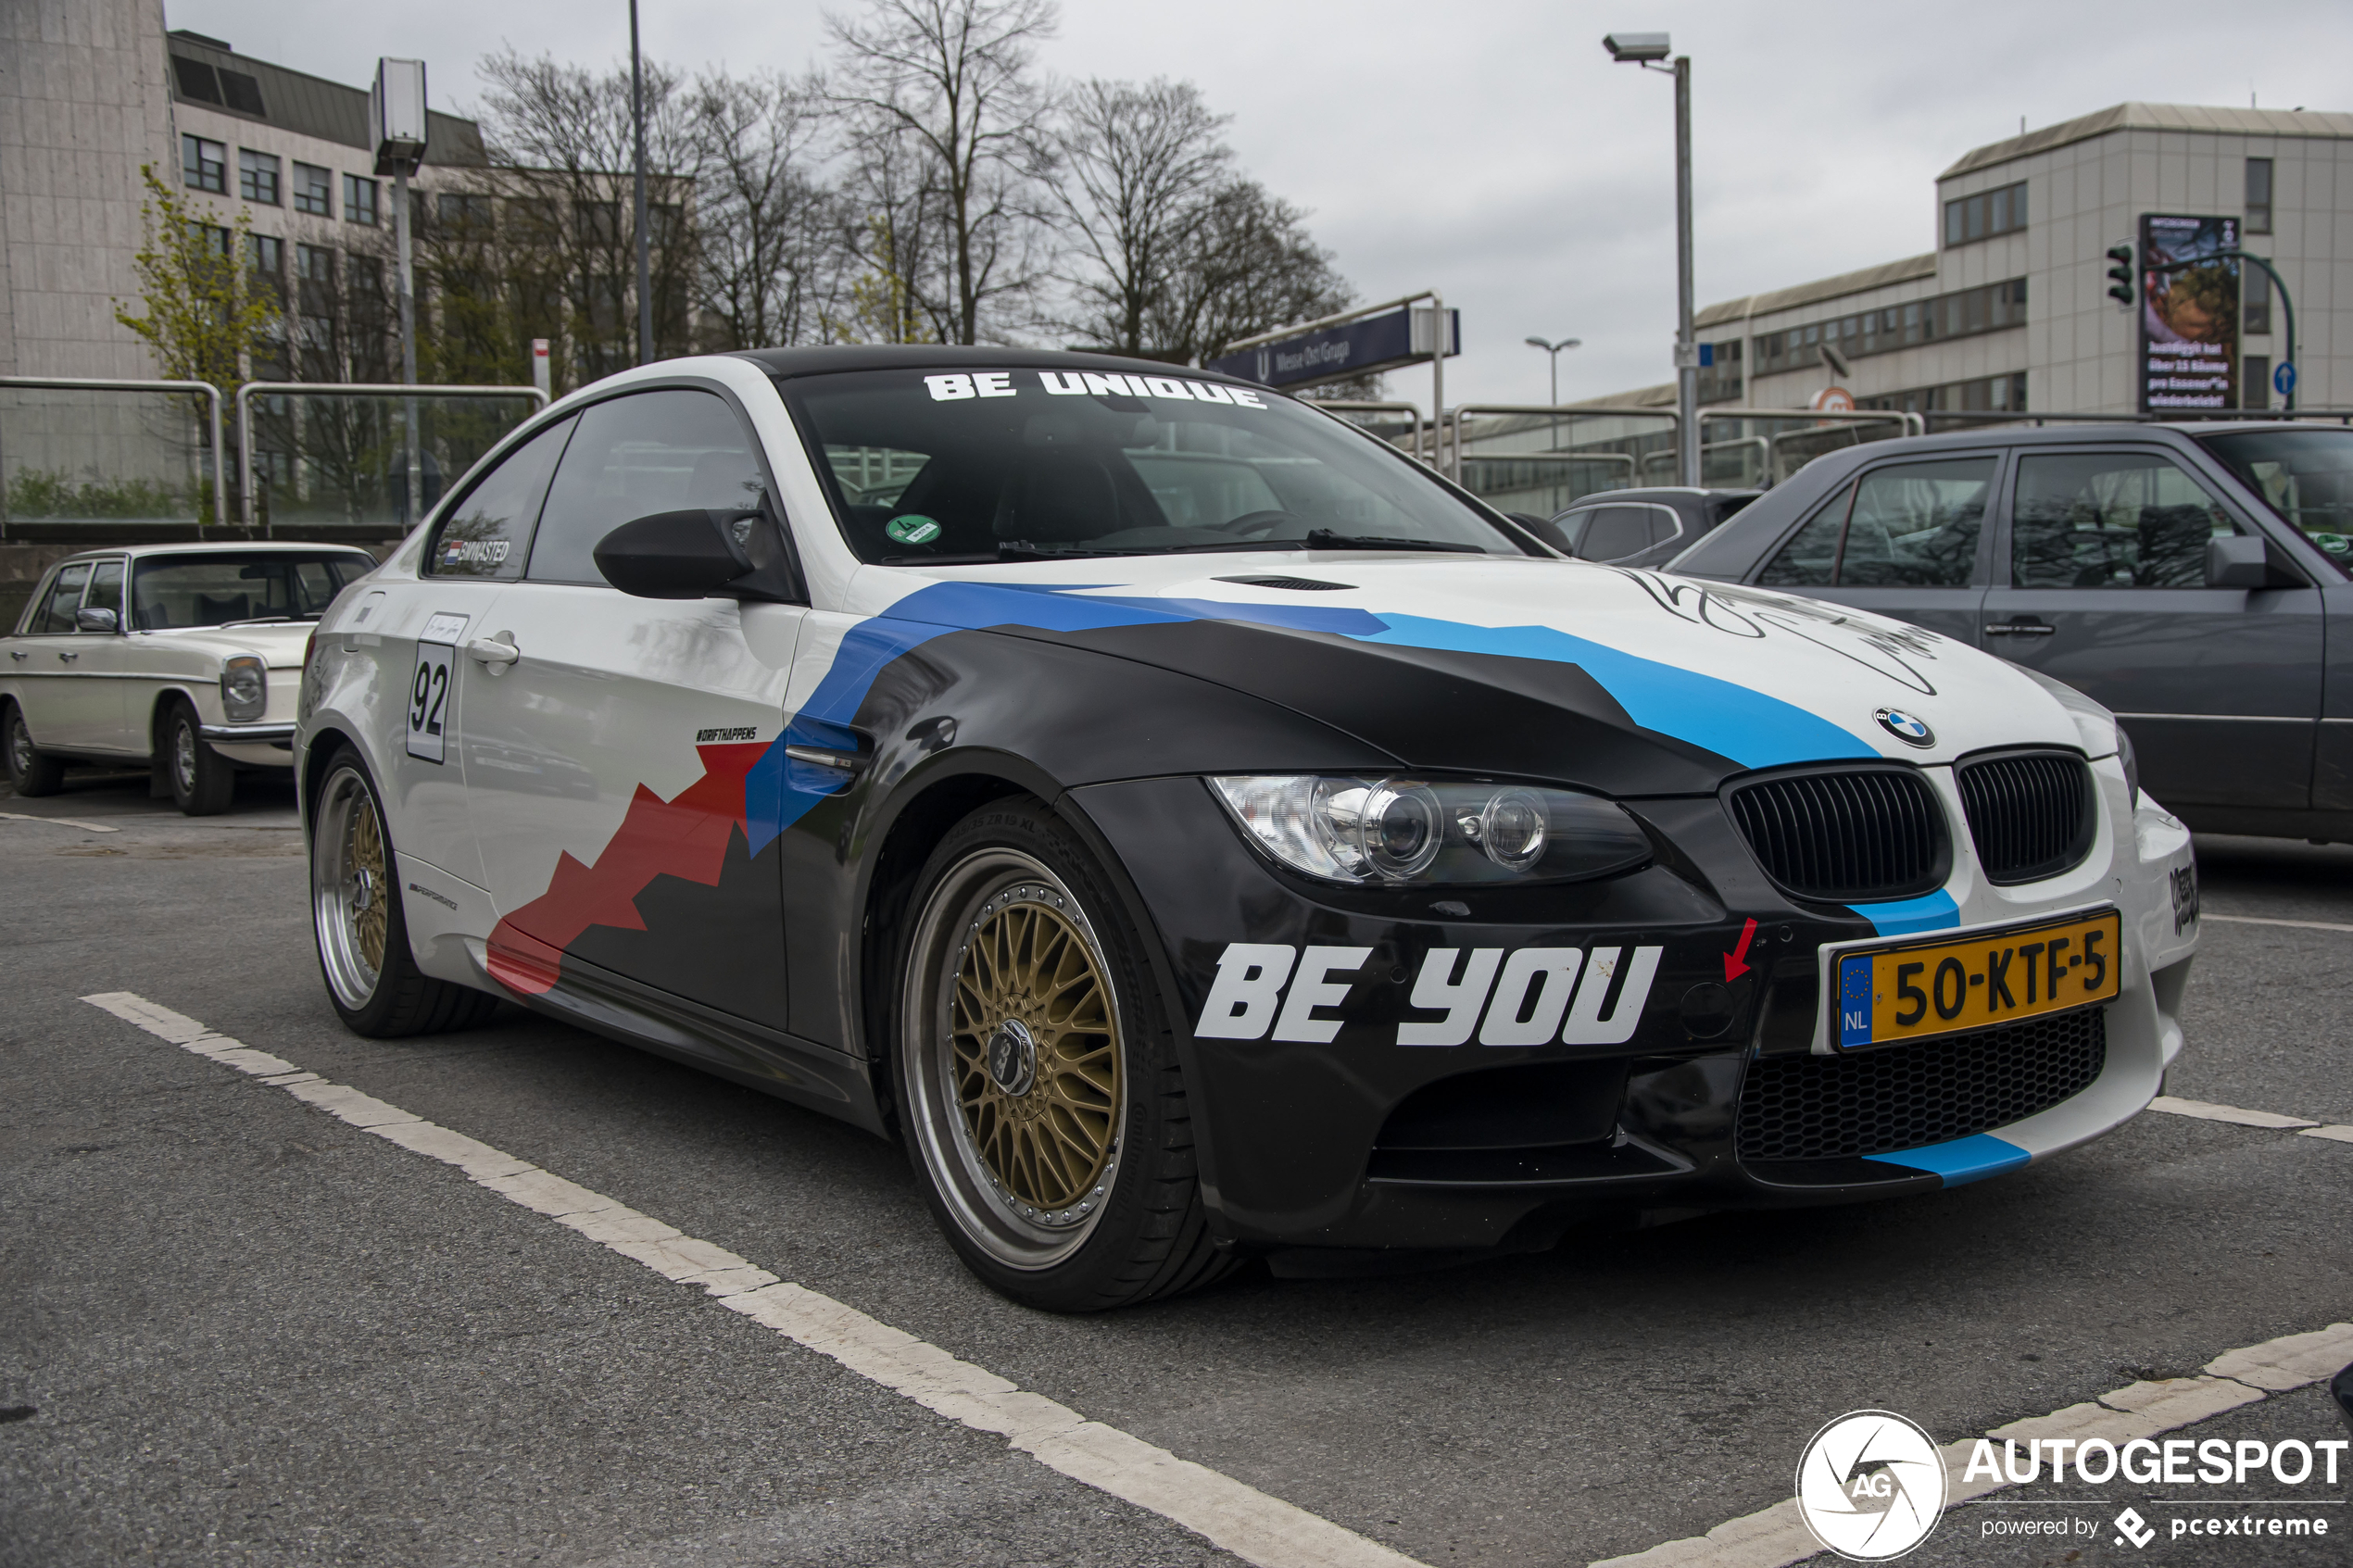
[{"x": 1516, "y": 997}]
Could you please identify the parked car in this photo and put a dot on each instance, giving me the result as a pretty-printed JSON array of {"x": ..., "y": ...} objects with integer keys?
[
  {"x": 1644, "y": 527},
  {"x": 1199, "y": 832},
  {"x": 2193, "y": 578},
  {"x": 180, "y": 658}
]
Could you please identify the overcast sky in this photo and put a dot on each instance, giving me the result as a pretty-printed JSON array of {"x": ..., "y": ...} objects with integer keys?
[{"x": 1490, "y": 148}]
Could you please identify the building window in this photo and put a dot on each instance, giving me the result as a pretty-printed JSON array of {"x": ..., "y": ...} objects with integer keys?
[
  {"x": 213, "y": 239},
  {"x": 465, "y": 213},
  {"x": 1984, "y": 215},
  {"x": 2255, "y": 299},
  {"x": 258, "y": 176},
  {"x": 1989, "y": 394},
  {"x": 198, "y": 83},
  {"x": 2254, "y": 382},
  {"x": 203, "y": 166},
  {"x": 314, "y": 190},
  {"x": 242, "y": 92},
  {"x": 266, "y": 254},
  {"x": 1720, "y": 377},
  {"x": 2259, "y": 195},
  {"x": 358, "y": 200}
]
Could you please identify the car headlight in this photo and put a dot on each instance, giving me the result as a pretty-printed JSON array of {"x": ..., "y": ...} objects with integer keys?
[
  {"x": 2132, "y": 760},
  {"x": 244, "y": 688},
  {"x": 1422, "y": 831}
]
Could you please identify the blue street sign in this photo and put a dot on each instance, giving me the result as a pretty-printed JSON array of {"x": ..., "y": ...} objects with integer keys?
[
  {"x": 1353, "y": 348},
  {"x": 2284, "y": 378}
]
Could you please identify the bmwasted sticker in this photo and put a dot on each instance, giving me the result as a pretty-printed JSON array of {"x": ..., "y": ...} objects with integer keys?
[{"x": 1870, "y": 1486}]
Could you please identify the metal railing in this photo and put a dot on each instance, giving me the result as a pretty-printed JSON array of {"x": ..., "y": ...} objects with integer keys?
[
  {"x": 1412, "y": 411},
  {"x": 410, "y": 396},
  {"x": 206, "y": 390}
]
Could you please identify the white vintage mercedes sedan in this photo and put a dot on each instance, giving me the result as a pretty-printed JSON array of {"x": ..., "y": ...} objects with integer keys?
[{"x": 182, "y": 658}]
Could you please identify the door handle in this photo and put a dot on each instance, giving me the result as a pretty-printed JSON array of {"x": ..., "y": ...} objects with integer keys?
[
  {"x": 19, "y": 654},
  {"x": 491, "y": 651},
  {"x": 66, "y": 657},
  {"x": 2017, "y": 628}
]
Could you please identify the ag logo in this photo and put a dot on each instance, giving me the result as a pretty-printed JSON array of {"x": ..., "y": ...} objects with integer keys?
[
  {"x": 1870, "y": 1486},
  {"x": 1908, "y": 728}
]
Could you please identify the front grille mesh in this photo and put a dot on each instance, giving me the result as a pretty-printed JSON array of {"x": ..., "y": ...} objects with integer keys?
[
  {"x": 1840, "y": 836},
  {"x": 1909, "y": 1097},
  {"x": 2030, "y": 814}
]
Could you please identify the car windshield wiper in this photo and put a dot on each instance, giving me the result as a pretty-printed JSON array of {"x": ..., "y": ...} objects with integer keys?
[
  {"x": 1325, "y": 539},
  {"x": 263, "y": 620}
]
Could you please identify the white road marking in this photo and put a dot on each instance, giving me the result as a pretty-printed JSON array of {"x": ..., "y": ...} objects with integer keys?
[
  {"x": 2299, "y": 924},
  {"x": 1249, "y": 1524},
  {"x": 1777, "y": 1536},
  {"x": 2301, "y": 1126},
  {"x": 2232, "y": 1113},
  {"x": 61, "y": 822}
]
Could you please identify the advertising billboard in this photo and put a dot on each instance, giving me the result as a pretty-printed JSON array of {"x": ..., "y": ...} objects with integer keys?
[
  {"x": 1353, "y": 348},
  {"x": 2189, "y": 315}
]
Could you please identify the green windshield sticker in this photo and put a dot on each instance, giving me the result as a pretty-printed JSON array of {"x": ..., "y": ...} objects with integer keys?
[{"x": 911, "y": 528}]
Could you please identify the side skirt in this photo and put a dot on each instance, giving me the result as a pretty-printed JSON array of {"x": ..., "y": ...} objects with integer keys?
[{"x": 767, "y": 1060}]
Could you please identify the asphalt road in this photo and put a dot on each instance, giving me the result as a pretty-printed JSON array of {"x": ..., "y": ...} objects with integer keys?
[{"x": 248, "y": 1332}]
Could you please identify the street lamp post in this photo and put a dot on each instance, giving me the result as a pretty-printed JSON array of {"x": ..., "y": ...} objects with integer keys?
[
  {"x": 1648, "y": 50},
  {"x": 1552, "y": 354}
]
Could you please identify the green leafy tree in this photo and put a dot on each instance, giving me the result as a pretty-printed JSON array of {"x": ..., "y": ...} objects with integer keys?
[{"x": 207, "y": 313}]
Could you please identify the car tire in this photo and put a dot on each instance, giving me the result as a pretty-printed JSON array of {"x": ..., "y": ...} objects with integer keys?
[
  {"x": 32, "y": 771},
  {"x": 203, "y": 782},
  {"x": 1036, "y": 1074},
  {"x": 357, "y": 920}
]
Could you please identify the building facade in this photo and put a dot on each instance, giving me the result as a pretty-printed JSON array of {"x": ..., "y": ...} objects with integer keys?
[{"x": 2011, "y": 312}]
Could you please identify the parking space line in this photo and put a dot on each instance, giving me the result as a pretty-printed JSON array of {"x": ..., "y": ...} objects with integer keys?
[
  {"x": 2299, "y": 924},
  {"x": 61, "y": 822},
  {"x": 1774, "y": 1536},
  {"x": 2269, "y": 1120},
  {"x": 1252, "y": 1524}
]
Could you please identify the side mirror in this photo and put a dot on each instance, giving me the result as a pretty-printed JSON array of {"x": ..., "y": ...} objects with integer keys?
[
  {"x": 94, "y": 620},
  {"x": 2237, "y": 561},
  {"x": 735, "y": 552}
]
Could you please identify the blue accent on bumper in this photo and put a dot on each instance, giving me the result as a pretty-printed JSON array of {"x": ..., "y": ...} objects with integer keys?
[
  {"x": 1935, "y": 911},
  {"x": 1963, "y": 1159}
]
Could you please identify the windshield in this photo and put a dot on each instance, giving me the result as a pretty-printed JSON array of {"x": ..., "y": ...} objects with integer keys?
[
  {"x": 2304, "y": 475},
  {"x": 170, "y": 592},
  {"x": 926, "y": 466}
]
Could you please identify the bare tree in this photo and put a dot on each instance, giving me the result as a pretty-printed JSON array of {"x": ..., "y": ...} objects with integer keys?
[
  {"x": 561, "y": 150},
  {"x": 1139, "y": 167},
  {"x": 1250, "y": 266},
  {"x": 770, "y": 236},
  {"x": 951, "y": 81}
]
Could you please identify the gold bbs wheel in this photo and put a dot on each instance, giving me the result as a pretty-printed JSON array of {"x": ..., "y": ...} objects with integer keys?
[
  {"x": 350, "y": 887},
  {"x": 1014, "y": 1056}
]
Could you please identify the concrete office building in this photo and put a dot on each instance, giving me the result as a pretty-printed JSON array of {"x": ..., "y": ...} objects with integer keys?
[
  {"x": 2010, "y": 312},
  {"x": 91, "y": 90}
]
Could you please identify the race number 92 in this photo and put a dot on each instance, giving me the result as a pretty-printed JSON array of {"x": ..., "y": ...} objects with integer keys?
[{"x": 429, "y": 704}]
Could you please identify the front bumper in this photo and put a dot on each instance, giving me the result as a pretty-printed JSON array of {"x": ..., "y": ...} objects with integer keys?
[{"x": 1321, "y": 1124}]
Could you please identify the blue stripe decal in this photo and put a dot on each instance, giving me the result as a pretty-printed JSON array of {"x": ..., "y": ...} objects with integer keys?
[
  {"x": 1963, "y": 1159},
  {"x": 1934, "y": 912},
  {"x": 1751, "y": 728},
  {"x": 1754, "y": 730}
]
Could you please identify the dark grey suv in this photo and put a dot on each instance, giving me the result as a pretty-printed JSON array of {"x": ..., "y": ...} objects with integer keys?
[{"x": 2193, "y": 577}]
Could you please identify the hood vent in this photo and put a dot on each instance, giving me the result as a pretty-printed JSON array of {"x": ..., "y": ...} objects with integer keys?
[{"x": 1295, "y": 584}]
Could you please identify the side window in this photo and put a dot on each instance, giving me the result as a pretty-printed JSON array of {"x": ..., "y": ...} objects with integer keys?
[
  {"x": 1616, "y": 533},
  {"x": 106, "y": 589},
  {"x": 1665, "y": 525},
  {"x": 64, "y": 597},
  {"x": 1572, "y": 527},
  {"x": 1907, "y": 525},
  {"x": 636, "y": 455},
  {"x": 487, "y": 532},
  {"x": 2110, "y": 519}
]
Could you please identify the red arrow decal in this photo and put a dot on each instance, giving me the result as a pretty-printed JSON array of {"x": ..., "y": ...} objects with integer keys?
[{"x": 1736, "y": 961}]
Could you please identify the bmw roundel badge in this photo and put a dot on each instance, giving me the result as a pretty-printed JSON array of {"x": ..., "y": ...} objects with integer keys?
[{"x": 1911, "y": 731}]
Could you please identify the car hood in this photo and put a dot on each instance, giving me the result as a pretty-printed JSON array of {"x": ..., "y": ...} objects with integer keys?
[
  {"x": 1630, "y": 681},
  {"x": 279, "y": 642}
]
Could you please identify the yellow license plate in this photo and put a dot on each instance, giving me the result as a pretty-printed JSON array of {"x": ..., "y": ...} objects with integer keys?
[{"x": 1911, "y": 990}]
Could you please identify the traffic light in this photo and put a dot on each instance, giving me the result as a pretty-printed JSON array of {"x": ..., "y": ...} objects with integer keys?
[{"x": 2121, "y": 282}]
